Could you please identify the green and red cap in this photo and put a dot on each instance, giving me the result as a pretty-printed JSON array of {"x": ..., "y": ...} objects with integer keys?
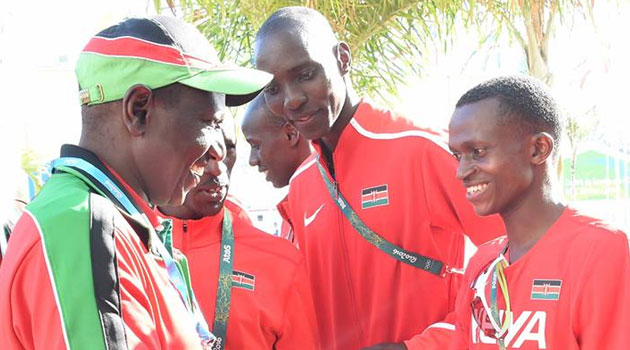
[{"x": 156, "y": 52}]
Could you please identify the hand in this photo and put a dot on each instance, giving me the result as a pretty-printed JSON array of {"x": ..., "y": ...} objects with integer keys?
[{"x": 387, "y": 346}]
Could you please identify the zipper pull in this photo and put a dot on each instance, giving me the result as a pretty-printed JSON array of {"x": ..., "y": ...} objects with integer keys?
[
  {"x": 185, "y": 226},
  {"x": 336, "y": 185}
]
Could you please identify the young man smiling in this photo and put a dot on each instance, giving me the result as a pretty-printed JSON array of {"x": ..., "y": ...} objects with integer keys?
[
  {"x": 85, "y": 268},
  {"x": 377, "y": 211},
  {"x": 277, "y": 149},
  {"x": 560, "y": 279},
  {"x": 267, "y": 301}
]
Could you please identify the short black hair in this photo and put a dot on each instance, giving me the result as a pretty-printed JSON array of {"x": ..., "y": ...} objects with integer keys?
[
  {"x": 298, "y": 19},
  {"x": 93, "y": 116},
  {"x": 523, "y": 99}
]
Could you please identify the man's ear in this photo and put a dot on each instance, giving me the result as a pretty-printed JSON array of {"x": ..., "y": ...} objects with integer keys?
[
  {"x": 291, "y": 133},
  {"x": 542, "y": 147},
  {"x": 136, "y": 109},
  {"x": 344, "y": 57}
]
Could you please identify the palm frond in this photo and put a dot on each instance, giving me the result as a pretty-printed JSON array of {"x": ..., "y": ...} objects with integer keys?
[{"x": 387, "y": 37}]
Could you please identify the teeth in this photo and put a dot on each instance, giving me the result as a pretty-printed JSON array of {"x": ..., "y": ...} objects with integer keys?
[
  {"x": 212, "y": 193},
  {"x": 476, "y": 188},
  {"x": 197, "y": 172}
]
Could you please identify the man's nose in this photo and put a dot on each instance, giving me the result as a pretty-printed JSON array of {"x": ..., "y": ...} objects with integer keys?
[
  {"x": 253, "y": 158},
  {"x": 217, "y": 149},
  {"x": 215, "y": 168},
  {"x": 294, "y": 99},
  {"x": 465, "y": 168}
]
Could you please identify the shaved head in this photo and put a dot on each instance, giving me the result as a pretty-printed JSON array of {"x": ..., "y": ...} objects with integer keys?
[
  {"x": 301, "y": 21},
  {"x": 258, "y": 110}
]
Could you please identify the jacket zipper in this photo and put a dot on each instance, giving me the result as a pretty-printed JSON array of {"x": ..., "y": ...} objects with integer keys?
[
  {"x": 185, "y": 236},
  {"x": 344, "y": 246}
]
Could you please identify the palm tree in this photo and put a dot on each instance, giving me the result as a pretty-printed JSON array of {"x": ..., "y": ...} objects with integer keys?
[
  {"x": 386, "y": 36},
  {"x": 531, "y": 23}
]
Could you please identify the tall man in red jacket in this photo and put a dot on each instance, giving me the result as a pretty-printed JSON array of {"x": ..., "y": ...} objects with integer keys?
[
  {"x": 377, "y": 209},
  {"x": 277, "y": 149},
  {"x": 85, "y": 268},
  {"x": 560, "y": 279},
  {"x": 268, "y": 304}
]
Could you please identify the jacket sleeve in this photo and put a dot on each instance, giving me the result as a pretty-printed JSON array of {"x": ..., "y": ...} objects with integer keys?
[
  {"x": 299, "y": 327},
  {"x": 447, "y": 197},
  {"x": 603, "y": 298},
  {"x": 437, "y": 336},
  {"x": 450, "y": 332},
  {"x": 30, "y": 318}
]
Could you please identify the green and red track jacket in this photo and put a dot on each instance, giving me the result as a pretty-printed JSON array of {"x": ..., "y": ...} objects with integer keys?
[{"x": 60, "y": 288}]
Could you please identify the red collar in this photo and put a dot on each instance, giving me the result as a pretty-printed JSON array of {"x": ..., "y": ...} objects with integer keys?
[{"x": 282, "y": 208}]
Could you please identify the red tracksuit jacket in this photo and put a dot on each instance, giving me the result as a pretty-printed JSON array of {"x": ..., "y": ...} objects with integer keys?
[
  {"x": 277, "y": 311},
  {"x": 570, "y": 291},
  {"x": 362, "y": 295}
]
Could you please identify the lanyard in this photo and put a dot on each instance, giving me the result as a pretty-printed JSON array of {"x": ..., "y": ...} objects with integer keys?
[
  {"x": 224, "y": 285},
  {"x": 416, "y": 260},
  {"x": 174, "y": 274},
  {"x": 3, "y": 242},
  {"x": 498, "y": 277}
]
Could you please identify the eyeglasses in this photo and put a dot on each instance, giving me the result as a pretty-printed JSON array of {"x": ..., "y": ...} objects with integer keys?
[{"x": 487, "y": 316}]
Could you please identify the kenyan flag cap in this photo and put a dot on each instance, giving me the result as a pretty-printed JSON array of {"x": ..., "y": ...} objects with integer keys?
[{"x": 156, "y": 52}]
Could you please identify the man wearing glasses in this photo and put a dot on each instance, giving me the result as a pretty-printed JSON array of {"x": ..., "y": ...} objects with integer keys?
[{"x": 560, "y": 279}]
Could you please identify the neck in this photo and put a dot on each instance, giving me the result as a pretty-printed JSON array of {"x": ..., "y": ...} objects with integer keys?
[
  {"x": 529, "y": 220},
  {"x": 350, "y": 105},
  {"x": 304, "y": 150},
  {"x": 181, "y": 212},
  {"x": 111, "y": 154}
]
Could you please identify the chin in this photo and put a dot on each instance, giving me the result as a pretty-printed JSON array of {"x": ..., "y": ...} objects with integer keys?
[
  {"x": 212, "y": 210},
  {"x": 204, "y": 208},
  {"x": 312, "y": 134},
  {"x": 315, "y": 132},
  {"x": 176, "y": 200},
  {"x": 484, "y": 211},
  {"x": 276, "y": 183}
]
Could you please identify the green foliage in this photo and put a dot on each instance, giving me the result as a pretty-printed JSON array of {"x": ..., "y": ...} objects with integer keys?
[
  {"x": 33, "y": 166},
  {"x": 386, "y": 37}
]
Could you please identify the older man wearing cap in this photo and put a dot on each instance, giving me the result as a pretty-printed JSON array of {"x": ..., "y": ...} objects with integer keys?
[{"x": 85, "y": 268}]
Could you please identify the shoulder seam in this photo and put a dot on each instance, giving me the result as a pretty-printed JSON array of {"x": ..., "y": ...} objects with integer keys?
[
  {"x": 397, "y": 135},
  {"x": 442, "y": 325},
  {"x": 302, "y": 169}
]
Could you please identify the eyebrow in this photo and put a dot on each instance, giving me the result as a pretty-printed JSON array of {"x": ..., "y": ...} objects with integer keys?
[
  {"x": 303, "y": 65},
  {"x": 464, "y": 145}
]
